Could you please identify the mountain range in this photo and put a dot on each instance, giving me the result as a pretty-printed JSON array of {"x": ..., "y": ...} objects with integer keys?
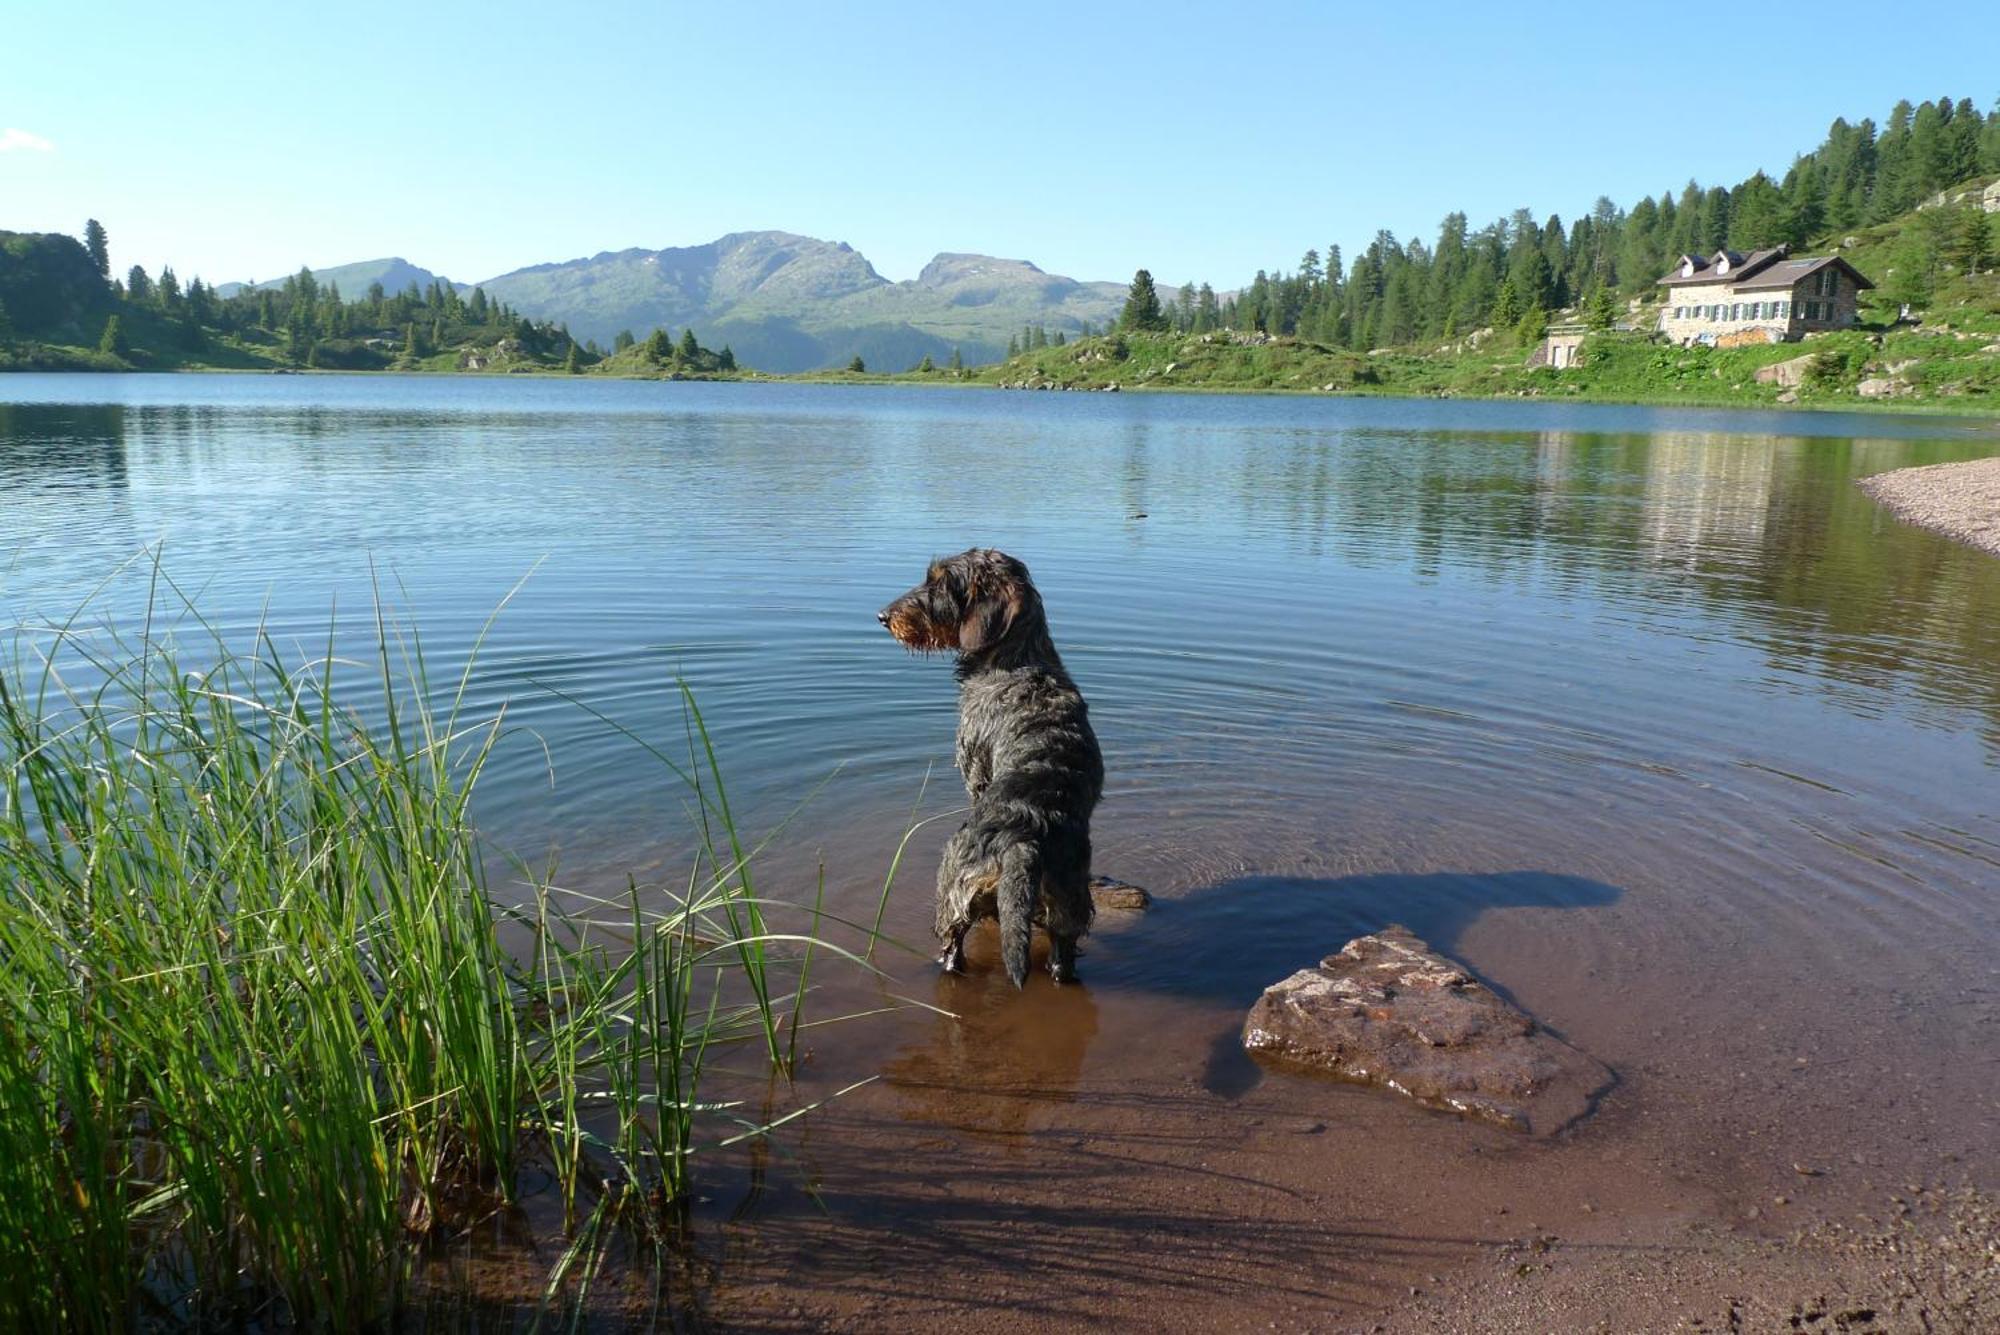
[{"x": 780, "y": 301}]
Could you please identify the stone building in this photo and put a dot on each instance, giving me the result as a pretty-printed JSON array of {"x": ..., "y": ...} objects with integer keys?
[{"x": 1765, "y": 296}]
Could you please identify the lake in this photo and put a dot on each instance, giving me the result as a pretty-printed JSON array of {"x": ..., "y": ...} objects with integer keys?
[{"x": 1648, "y": 714}]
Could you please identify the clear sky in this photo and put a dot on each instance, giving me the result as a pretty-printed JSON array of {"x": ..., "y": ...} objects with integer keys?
[{"x": 1203, "y": 141}]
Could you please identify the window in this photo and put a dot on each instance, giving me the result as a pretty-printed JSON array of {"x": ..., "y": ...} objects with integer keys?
[
  {"x": 1736, "y": 310},
  {"x": 1756, "y": 310},
  {"x": 1812, "y": 310}
]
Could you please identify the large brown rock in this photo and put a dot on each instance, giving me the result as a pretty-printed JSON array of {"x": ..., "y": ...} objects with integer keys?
[{"x": 1389, "y": 1011}]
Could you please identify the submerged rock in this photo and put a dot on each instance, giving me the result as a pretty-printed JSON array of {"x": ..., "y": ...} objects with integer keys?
[
  {"x": 1388, "y": 1010},
  {"x": 1109, "y": 893}
]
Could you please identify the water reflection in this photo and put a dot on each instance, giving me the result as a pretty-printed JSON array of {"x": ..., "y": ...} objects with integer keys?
[
  {"x": 1520, "y": 622},
  {"x": 57, "y": 447},
  {"x": 1008, "y": 1060}
]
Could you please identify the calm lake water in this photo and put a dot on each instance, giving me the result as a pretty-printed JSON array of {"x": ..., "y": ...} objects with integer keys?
[
  {"x": 1336, "y": 618},
  {"x": 1650, "y": 714}
]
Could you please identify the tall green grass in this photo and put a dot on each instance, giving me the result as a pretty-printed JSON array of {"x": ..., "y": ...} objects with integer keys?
[{"x": 259, "y": 1035}]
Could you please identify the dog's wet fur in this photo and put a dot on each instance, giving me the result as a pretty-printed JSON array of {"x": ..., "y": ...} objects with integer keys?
[{"x": 1029, "y": 759}]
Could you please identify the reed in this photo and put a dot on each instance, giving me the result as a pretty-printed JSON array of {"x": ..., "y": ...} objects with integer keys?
[{"x": 259, "y": 1034}]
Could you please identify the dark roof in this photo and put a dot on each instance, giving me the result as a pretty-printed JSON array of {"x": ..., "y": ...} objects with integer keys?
[
  {"x": 1761, "y": 269},
  {"x": 1740, "y": 266},
  {"x": 1790, "y": 272}
]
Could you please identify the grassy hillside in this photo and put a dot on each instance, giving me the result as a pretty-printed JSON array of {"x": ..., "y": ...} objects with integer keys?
[{"x": 1946, "y": 355}]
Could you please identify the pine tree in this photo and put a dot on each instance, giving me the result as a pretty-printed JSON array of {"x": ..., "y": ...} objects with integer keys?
[
  {"x": 925, "y": 366},
  {"x": 1013, "y": 347},
  {"x": 857, "y": 365},
  {"x": 1603, "y": 310},
  {"x": 726, "y": 359},
  {"x": 138, "y": 287},
  {"x": 572, "y": 364},
  {"x": 1533, "y": 326},
  {"x": 99, "y": 247},
  {"x": 1142, "y": 305},
  {"x": 410, "y": 343},
  {"x": 688, "y": 348},
  {"x": 957, "y": 362},
  {"x": 658, "y": 349},
  {"x": 113, "y": 340},
  {"x": 623, "y": 341}
]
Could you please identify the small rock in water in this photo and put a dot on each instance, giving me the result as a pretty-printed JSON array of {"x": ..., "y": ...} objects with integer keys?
[
  {"x": 1387, "y": 1010},
  {"x": 1110, "y": 893}
]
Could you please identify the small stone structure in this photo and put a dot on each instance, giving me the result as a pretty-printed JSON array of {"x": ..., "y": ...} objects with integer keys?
[
  {"x": 1991, "y": 199},
  {"x": 1389, "y": 1011},
  {"x": 1562, "y": 349},
  {"x": 1765, "y": 296}
]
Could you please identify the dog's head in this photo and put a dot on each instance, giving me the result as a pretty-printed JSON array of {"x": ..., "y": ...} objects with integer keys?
[{"x": 971, "y": 604}]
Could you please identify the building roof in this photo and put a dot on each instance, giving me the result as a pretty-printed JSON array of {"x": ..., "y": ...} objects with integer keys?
[
  {"x": 1758, "y": 270},
  {"x": 1706, "y": 270},
  {"x": 1788, "y": 273}
]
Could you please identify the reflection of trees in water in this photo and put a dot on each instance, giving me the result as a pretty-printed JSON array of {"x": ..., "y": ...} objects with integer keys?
[
  {"x": 1771, "y": 532},
  {"x": 62, "y": 447}
]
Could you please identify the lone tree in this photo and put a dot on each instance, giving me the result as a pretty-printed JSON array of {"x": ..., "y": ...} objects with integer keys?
[
  {"x": 100, "y": 249},
  {"x": 1142, "y": 305},
  {"x": 857, "y": 365}
]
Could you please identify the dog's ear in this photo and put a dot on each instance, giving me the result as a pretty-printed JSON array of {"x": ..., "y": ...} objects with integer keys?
[{"x": 993, "y": 602}]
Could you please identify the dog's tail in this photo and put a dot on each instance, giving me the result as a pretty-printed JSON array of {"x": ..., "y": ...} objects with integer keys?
[{"x": 1020, "y": 885}]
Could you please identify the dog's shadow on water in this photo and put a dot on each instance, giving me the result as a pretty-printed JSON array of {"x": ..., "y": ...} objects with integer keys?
[{"x": 1010, "y": 1052}]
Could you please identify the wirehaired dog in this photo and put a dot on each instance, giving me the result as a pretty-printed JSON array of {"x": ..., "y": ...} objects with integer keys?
[{"x": 1030, "y": 762}]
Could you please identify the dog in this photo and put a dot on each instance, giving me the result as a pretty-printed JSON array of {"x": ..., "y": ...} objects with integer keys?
[{"x": 1029, "y": 758}]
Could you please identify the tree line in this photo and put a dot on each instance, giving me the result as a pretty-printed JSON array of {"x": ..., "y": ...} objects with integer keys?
[
  {"x": 54, "y": 287},
  {"x": 1514, "y": 271}
]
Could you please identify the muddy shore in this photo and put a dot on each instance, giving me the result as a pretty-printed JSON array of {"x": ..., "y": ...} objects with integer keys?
[{"x": 1961, "y": 500}]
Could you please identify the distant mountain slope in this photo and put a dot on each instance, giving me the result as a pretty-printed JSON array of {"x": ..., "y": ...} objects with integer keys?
[
  {"x": 786, "y": 302},
  {"x": 394, "y": 274}
]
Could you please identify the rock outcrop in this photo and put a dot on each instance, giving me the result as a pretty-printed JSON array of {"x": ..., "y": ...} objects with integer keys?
[
  {"x": 1389, "y": 1011},
  {"x": 1109, "y": 893}
]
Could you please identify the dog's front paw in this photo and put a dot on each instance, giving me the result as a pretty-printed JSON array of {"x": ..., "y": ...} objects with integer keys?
[{"x": 953, "y": 960}]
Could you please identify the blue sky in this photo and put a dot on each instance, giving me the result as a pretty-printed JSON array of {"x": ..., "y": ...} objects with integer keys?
[{"x": 1203, "y": 141}]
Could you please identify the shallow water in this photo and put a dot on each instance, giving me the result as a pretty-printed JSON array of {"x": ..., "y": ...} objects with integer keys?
[{"x": 1648, "y": 714}]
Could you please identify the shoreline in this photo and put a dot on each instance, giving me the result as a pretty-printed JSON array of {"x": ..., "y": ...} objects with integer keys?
[
  {"x": 1887, "y": 408},
  {"x": 1959, "y": 501}
]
